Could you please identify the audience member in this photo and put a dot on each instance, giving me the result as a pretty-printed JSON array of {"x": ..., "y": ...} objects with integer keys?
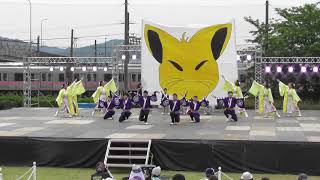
[
  {"x": 156, "y": 173},
  {"x": 178, "y": 177},
  {"x": 213, "y": 177},
  {"x": 136, "y": 173},
  {"x": 302, "y": 176},
  {"x": 265, "y": 178},
  {"x": 246, "y": 176}
]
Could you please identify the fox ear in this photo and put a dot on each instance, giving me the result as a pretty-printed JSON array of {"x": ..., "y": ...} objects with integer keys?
[
  {"x": 217, "y": 36},
  {"x": 154, "y": 37}
]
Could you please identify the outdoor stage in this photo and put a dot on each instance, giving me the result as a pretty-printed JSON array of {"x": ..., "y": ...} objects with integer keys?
[
  {"x": 40, "y": 122},
  {"x": 283, "y": 145}
]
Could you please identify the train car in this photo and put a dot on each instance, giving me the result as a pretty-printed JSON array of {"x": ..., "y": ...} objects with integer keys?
[{"x": 50, "y": 79}]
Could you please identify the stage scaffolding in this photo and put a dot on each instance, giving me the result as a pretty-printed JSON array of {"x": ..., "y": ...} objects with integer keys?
[{"x": 112, "y": 63}]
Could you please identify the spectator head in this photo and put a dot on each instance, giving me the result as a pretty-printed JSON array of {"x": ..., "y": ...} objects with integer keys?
[
  {"x": 213, "y": 177},
  {"x": 165, "y": 90},
  {"x": 156, "y": 171},
  {"x": 136, "y": 173},
  {"x": 246, "y": 176},
  {"x": 230, "y": 93},
  {"x": 178, "y": 177},
  {"x": 209, "y": 172},
  {"x": 302, "y": 176},
  {"x": 265, "y": 178}
]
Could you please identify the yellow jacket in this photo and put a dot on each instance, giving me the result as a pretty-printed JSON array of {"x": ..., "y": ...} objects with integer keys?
[
  {"x": 109, "y": 87},
  {"x": 284, "y": 91},
  {"x": 229, "y": 86},
  {"x": 258, "y": 90},
  {"x": 70, "y": 93},
  {"x": 78, "y": 90}
]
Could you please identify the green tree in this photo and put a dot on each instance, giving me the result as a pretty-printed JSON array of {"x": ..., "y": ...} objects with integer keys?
[{"x": 295, "y": 33}]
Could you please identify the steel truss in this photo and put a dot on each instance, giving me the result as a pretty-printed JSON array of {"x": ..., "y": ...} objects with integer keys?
[
  {"x": 260, "y": 62},
  {"x": 29, "y": 62}
]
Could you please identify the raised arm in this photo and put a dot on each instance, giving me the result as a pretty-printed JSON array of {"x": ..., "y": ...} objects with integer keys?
[{"x": 283, "y": 88}]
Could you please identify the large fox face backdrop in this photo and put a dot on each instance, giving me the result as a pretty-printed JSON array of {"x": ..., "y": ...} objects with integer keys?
[{"x": 188, "y": 66}]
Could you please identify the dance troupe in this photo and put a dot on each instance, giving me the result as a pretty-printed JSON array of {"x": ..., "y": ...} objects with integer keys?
[{"x": 107, "y": 101}]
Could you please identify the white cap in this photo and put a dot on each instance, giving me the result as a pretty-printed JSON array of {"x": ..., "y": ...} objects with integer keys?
[
  {"x": 246, "y": 176},
  {"x": 156, "y": 171}
]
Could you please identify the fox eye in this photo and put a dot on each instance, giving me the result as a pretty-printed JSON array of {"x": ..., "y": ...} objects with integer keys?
[
  {"x": 200, "y": 65},
  {"x": 176, "y": 65}
]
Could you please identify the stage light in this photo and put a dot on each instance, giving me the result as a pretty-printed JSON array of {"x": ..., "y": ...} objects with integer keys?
[
  {"x": 51, "y": 69},
  {"x": 249, "y": 57},
  {"x": 279, "y": 69},
  {"x": 105, "y": 69},
  {"x": 267, "y": 69},
  {"x": 123, "y": 57},
  {"x": 315, "y": 69},
  {"x": 94, "y": 68},
  {"x": 84, "y": 68},
  {"x": 290, "y": 69},
  {"x": 61, "y": 68},
  {"x": 134, "y": 57},
  {"x": 303, "y": 69},
  {"x": 72, "y": 69},
  {"x": 238, "y": 58}
]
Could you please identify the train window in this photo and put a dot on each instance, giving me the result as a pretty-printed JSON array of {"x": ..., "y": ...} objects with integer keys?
[
  {"x": 88, "y": 77},
  {"x": 32, "y": 75},
  {"x": 18, "y": 76},
  {"x": 5, "y": 77},
  {"x": 107, "y": 77},
  {"x": 139, "y": 77},
  {"x": 76, "y": 76},
  {"x": 133, "y": 77},
  {"x": 49, "y": 77},
  {"x": 94, "y": 77},
  {"x": 61, "y": 77},
  {"x": 43, "y": 77},
  {"x": 0, "y": 77}
]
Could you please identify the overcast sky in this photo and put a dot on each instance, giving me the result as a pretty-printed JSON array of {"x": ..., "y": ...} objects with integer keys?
[{"x": 97, "y": 18}]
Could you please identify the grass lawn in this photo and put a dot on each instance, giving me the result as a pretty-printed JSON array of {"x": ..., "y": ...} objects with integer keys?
[{"x": 44, "y": 173}]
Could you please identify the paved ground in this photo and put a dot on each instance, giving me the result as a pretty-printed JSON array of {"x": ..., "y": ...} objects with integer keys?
[{"x": 40, "y": 122}]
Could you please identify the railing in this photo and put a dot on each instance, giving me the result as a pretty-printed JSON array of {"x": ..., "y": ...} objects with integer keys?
[{"x": 32, "y": 173}]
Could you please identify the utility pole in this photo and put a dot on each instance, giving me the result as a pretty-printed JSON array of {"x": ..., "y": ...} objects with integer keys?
[
  {"x": 38, "y": 45},
  {"x": 126, "y": 43},
  {"x": 95, "y": 48},
  {"x": 68, "y": 65},
  {"x": 71, "y": 46},
  {"x": 105, "y": 47},
  {"x": 267, "y": 25},
  {"x": 30, "y": 28},
  {"x": 41, "y": 22}
]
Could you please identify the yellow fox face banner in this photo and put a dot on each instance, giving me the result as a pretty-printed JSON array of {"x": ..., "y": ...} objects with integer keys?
[{"x": 188, "y": 66}]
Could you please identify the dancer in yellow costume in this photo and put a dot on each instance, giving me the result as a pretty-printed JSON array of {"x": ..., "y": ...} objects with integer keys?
[
  {"x": 237, "y": 93},
  {"x": 64, "y": 99},
  {"x": 290, "y": 98},
  {"x": 78, "y": 90},
  {"x": 264, "y": 93},
  {"x": 100, "y": 95}
]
